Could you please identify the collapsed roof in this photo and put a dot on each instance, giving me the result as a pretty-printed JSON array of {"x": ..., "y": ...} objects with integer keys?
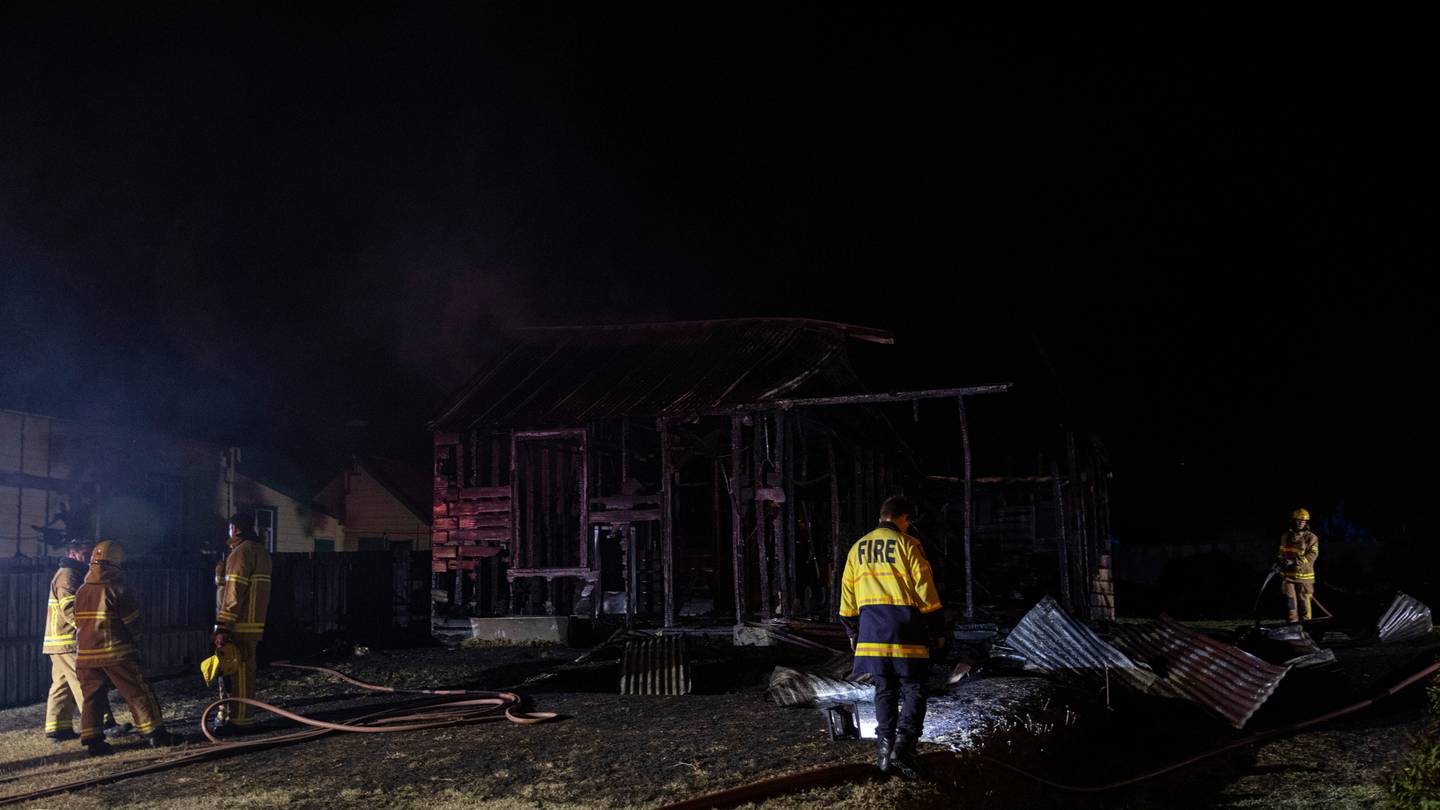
[{"x": 566, "y": 376}]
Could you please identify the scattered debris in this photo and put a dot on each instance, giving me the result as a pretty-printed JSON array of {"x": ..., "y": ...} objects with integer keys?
[
  {"x": 655, "y": 666},
  {"x": 1162, "y": 658},
  {"x": 1221, "y": 677},
  {"x": 1054, "y": 642},
  {"x": 789, "y": 632},
  {"x": 975, "y": 633},
  {"x": 791, "y": 687},
  {"x": 1287, "y": 645},
  {"x": 1407, "y": 618}
]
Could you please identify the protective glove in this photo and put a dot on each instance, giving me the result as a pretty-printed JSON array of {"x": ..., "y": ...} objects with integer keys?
[{"x": 219, "y": 636}]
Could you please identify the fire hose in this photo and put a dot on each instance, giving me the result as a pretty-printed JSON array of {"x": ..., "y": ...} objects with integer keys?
[
  {"x": 473, "y": 706},
  {"x": 1274, "y": 572},
  {"x": 837, "y": 774}
]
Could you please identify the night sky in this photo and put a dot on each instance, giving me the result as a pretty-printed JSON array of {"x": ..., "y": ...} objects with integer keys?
[{"x": 1204, "y": 239}]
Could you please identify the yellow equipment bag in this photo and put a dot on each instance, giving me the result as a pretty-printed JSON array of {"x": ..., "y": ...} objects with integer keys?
[{"x": 224, "y": 662}]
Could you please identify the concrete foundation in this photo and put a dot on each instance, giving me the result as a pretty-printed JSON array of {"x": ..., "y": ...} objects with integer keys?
[{"x": 551, "y": 629}]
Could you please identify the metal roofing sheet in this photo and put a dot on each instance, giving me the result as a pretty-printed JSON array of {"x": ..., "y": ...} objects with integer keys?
[
  {"x": 1054, "y": 641},
  {"x": 569, "y": 376},
  {"x": 1407, "y": 618},
  {"x": 655, "y": 666},
  {"x": 1163, "y": 658},
  {"x": 791, "y": 687},
  {"x": 1221, "y": 677}
]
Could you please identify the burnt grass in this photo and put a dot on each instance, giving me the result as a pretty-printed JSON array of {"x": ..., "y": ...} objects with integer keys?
[{"x": 609, "y": 750}]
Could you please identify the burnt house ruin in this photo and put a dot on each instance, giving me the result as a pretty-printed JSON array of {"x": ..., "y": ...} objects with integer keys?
[{"x": 709, "y": 468}]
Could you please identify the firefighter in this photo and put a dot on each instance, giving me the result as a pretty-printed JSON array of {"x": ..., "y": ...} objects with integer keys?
[
  {"x": 242, "y": 595},
  {"x": 107, "y": 624},
  {"x": 64, "y": 697},
  {"x": 1299, "y": 549},
  {"x": 891, "y": 610}
]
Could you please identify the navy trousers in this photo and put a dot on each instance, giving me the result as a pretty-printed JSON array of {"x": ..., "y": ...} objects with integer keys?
[{"x": 902, "y": 695}]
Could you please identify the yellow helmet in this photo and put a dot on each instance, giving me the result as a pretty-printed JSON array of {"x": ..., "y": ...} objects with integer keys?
[
  {"x": 225, "y": 661},
  {"x": 108, "y": 551},
  {"x": 1300, "y": 514}
]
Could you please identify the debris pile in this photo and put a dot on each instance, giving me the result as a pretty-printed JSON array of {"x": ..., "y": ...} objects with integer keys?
[
  {"x": 1163, "y": 658},
  {"x": 1288, "y": 645}
]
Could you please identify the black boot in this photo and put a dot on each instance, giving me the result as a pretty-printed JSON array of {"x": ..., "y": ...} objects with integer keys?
[
  {"x": 98, "y": 748},
  {"x": 902, "y": 758},
  {"x": 113, "y": 729},
  {"x": 61, "y": 735},
  {"x": 160, "y": 738},
  {"x": 887, "y": 750}
]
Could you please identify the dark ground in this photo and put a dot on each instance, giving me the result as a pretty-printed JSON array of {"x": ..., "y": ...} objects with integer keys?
[{"x": 614, "y": 751}]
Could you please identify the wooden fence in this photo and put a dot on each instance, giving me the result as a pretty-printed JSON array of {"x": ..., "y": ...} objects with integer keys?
[{"x": 375, "y": 597}]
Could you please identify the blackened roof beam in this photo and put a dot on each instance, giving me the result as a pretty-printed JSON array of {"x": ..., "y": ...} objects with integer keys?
[{"x": 873, "y": 398}]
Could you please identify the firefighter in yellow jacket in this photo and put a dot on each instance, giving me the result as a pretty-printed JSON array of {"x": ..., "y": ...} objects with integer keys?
[
  {"x": 242, "y": 596},
  {"x": 107, "y": 625},
  {"x": 1299, "y": 548},
  {"x": 891, "y": 610},
  {"x": 59, "y": 644}
]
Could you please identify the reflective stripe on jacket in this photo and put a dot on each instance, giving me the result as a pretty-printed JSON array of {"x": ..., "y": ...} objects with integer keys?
[
  {"x": 242, "y": 590},
  {"x": 1304, "y": 548},
  {"x": 60, "y": 609},
  {"x": 107, "y": 620},
  {"x": 889, "y": 603}
]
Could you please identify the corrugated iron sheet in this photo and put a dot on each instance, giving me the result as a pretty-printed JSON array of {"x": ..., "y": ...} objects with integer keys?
[
  {"x": 558, "y": 377},
  {"x": 1163, "y": 658},
  {"x": 657, "y": 666},
  {"x": 1407, "y": 618},
  {"x": 1053, "y": 641},
  {"x": 1287, "y": 645},
  {"x": 791, "y": 687},
  {"x": 1221, "y": 677}
]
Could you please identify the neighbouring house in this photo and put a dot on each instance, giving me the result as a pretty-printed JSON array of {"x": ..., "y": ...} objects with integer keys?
[
  {"x": 284, "y": 519},
  {"x": 158, "y": 494},
  {"x": 384, "y": 505}
]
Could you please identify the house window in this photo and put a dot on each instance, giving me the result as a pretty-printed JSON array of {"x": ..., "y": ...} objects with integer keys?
[
  {"x": 265, "y": 525},
  {"x": 402, "y": 545},
  {"x": 324, "y": 545},
  {"x": 374, "y": 544}
]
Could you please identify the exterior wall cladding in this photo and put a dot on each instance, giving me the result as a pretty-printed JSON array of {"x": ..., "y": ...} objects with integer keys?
[{"x": 153, "y": 492}]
